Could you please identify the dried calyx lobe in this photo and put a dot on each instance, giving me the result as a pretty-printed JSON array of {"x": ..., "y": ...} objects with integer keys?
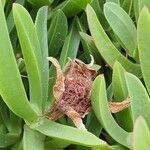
[{"x": 72, "y": 91}]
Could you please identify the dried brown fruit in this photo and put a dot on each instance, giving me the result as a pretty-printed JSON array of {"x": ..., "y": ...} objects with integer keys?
[{"x": 72, "y": 92}]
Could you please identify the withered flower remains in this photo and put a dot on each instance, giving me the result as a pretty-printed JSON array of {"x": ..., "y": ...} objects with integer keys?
[{"x": 72, "y": 91}]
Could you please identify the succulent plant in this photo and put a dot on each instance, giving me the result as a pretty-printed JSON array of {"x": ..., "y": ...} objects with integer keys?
[{"x": 69, "y": 104}]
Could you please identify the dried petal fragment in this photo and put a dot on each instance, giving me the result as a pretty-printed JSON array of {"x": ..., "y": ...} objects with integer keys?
[
  {"x": 76, "y": 118},
  {"x": 115, "y": 107},
  {"x": 59, "y": 87}
]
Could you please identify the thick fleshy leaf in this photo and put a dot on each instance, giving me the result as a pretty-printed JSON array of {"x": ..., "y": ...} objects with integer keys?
[
  {"x": 32, "y": 139},
  {"x": 40, "y": 2},
  {"x": 10, "y": 21},
  {"x": 31, "y": 51},
  {"x": 120, "y": 92},
  {"x": 9, "y": 119},
  {"x": 3, "y": 2},
  {"x": 8, "y": 139},
  {"x": 55, "y": 143},
  {"x": 140, "y": 100},
  {"x": 11, "y": 87},
  {"x": 3, "y": 128},
  {"x": 143, "y": 36},
  {"x": 109, "y": 92},
  {"x": 4, "y": 112},
  {"x": 127, "y": 5},
  {"x": 41, "y": 29},
  {"x": 21, "y": 64},
  {"x": 114, "y": 1},
  {"x": 105, "y": 46},
  {"x": 71, "y": 45},
  {"x": 18, "y": 145},
  {"x": 122, "y": 25},
  {"x": 68, "y": 134},
  {"x": 101, "y": 109},
  {"x": 97, "y": 5},
  {"x": 72, "y": 7},
  {"x": 57, "y": 32},
  {"x": 48, "y": 148},
  {"x": 141, "y": 135},
  {"x": 118, "y": 147},
  {"x": 88, "y": 44},
  {"x": 87, "y": 50},
  {"x": 15, "y": 124},
  {"x": 138, "y": 5},
  {"x": 93, "y": 122}
]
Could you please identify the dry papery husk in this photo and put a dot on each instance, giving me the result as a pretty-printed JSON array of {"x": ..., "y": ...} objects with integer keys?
[{"x": 72, "y": 92}]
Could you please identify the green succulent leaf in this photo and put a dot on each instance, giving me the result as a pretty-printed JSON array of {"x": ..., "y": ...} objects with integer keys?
[
  {"x": 114, "y": 1},
  {"x": 87, "y": 50},
  {"x": 118, "y": 147},
  {"x": 8, "y": 139},
  {"x": 138, "y": 5},
  {"x": 9, "y": 119},
  {"x": 32, "y": 53},
  {"x": 68, "y": 134},
  {"x": 32, "y": 139},
  {"x": 3, "y": 2},
  {"x": 11, "y": 87},
  {"x": 21, "y": 64},
  {"x": 140, "y": 100},
  {"x": 57, "y": 32},
  {"x": 70, "y": 46},
  {"x": 4, "y": 112},
  {"x": 73, "y": 7},
  {"x": 10, "y": 21},
  {"x": 88, "y": 44},
  {"x": 41, "y": 29},
  {"x": 141, "y": 135},
  {"x": 120, "y": 92},
  {"x": 40, "y": 2},
  {"x": 115, "y": 32},
  {"x": 93, "y": 122},
  {"x": 122, "y": 25},
  {"x": 14, "y": 124},
  {"x": 101, "y": 109},
  {"x": 98, "y": 8},
  {"x": 127, "y": 5},
  {"x": 55, "y": 143},
  {"x": 105, "y": 46},
  {"x": 47, "y": 148},
  {"x": 143, "y": 36}
]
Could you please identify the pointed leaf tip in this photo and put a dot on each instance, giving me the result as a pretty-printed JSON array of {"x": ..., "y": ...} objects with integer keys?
[
  {"x": 141, "y": 135},
  {"x": 88, "y": 7},
  {"x": 15, "y": 5}
]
